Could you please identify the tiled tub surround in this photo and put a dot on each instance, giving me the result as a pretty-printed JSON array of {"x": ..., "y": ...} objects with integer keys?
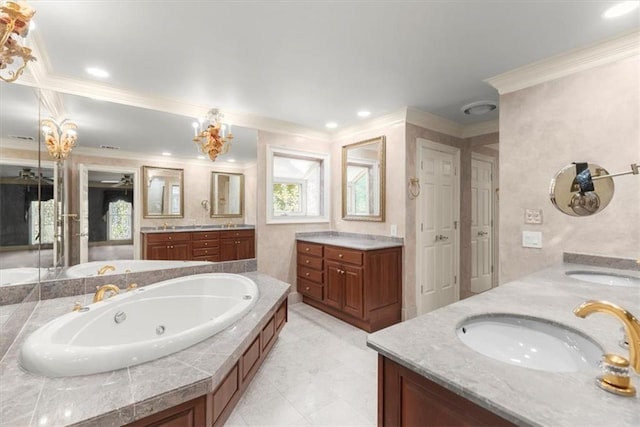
[
  {"x": 363, "y": 242},
  {"x": 125, "y": 395},
  {"x": 428, "y": 345}
]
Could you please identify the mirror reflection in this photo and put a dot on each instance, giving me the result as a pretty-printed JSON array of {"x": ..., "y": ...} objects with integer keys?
[
  {"x": 363, "y": 179},
  {"x": 163, "y": 192},
  {"x": 227, "y": 195}
]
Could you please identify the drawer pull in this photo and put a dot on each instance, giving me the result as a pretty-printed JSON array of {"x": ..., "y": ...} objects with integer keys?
[
  {"x": 340, "y": 256},
  {"x": 205, "y": 243},
  {"x": 306, "y": 261},
  {"x": 306, "y": 249},
  {"x": 307, "y": 288},
  {"x": 170, "y": 237},
  {"x": 306, "y": 274}
]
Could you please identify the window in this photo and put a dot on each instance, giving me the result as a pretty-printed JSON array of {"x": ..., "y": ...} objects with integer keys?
[
  {"x": 119, "y": 220},
  {"x": 47, "y": 230},
  {"x": 297, "y": 186}
]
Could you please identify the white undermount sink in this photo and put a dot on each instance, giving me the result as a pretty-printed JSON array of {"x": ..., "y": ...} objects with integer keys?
[
  {"x": 529, "y": 342},
  {"x": 610, "y": 279}
]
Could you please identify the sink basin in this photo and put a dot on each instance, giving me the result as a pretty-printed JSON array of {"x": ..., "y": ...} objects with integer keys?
[
  {"x": 530, "y": 342},
  {"x": 610, "y": 279}
]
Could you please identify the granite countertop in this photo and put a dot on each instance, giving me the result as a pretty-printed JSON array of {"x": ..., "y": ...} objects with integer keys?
[
  {"x": 429, "y": 345},
  {"x": 119, "y": 397},
  {"x": 363, "y": 242},
  {"x": 186, "y": 228}
]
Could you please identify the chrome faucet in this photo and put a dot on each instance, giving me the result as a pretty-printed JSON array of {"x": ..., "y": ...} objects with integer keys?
[
  {"x": 616, "y": 380},
  {"x": 101, "y": 290},
  {"x": 106, "y": 268}
]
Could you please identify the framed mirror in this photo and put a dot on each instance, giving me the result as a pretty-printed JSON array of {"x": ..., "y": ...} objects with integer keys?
[
  {"x": 363, "y": 180},
  {"x": 163, "y": 192},
  {"x": 227, "y": 195}
]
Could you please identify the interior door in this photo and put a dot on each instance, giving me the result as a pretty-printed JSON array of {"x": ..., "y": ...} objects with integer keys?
[
  {"x": 481, "y": 225},
  {"x": 83, "y": 236},
  {"x": 438, "y": 245}
]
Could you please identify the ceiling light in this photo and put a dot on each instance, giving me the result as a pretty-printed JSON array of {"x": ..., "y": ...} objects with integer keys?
[
  {"x": 231, "y": 160},
  {"x": 201, "y": 157},
  {"x": 214, "y": 139},
  {"x": 59, "y": 138},
  {"x": 331, "y": 125},
  {"x": 621, "y": 9},
  {"x": 479, "y": 107},
  {"x": 166, "y": 153},
  {"x": 109, "y": 181},
  {"x": 364, "y": 113},
  {"x": 97, "y": 72},
  {"x": 14, "y": 23}
]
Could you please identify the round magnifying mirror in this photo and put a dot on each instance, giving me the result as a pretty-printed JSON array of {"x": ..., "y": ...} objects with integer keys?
[{"x": 566, "y": 196}]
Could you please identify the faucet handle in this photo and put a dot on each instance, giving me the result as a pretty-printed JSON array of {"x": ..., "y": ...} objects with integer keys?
[
  {"x": 76, "y": 306},
  {"x": 616, "y": 376},
  {"x": 132, "y": 286}
]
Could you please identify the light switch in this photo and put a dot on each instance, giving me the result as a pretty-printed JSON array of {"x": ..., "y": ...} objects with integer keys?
[
  {"x": 394, "y": 230},
  {"x": 531, "y": 239},
  {"x": 533, "y": 216}
]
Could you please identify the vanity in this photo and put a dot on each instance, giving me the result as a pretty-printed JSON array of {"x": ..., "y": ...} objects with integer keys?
[
  {"x": 428, "y": 376},
  {"x": 356, "y": 278}
]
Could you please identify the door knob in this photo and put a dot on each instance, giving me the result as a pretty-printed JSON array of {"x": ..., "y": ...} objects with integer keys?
[
  {"x": 482, "y": 233},
  {"x": 441, "y": 237}
]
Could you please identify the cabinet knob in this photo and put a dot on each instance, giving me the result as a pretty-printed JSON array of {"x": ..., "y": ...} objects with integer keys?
[
  {"x": 340, "y": 255},
  {"x": 306, "y": 249},
  {"x": 206, "y": 235},
  {"x": 307, "y": 288},
  {"x": 237, "y": 234},
  {"x": 170, "y": 237},
  {"x": 306, "y": 261},
  {"x": 306, "y": 274}
]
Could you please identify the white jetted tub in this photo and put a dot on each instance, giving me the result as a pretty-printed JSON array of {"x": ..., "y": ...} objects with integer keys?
[
  {"x": 121, "y": 266},
  {"x": 15, "y": 276},
  {"x": 138, "y": 326}
]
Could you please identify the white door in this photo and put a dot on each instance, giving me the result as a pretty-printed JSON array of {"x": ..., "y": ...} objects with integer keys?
[
  {"x": 481, "y": 225},
  {"x": 437, "y": 228},
  {"x": 83, "y": 236}
]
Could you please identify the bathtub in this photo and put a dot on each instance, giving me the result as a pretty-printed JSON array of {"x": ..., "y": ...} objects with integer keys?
[
  {"x": 126, "y": 266},
  {"x": 138, "y": 326},
  {"x": 15, "y": 276}
]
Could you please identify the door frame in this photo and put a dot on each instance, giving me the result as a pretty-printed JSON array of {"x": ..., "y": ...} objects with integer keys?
[
  {"x": 494, "y": 216},
  {"x": 137, "y": 199},
  {"x": 425, "y": 144}
]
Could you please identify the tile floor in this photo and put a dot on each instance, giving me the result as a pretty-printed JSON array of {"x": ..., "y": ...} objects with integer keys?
[{"x": 319, "y": 373}]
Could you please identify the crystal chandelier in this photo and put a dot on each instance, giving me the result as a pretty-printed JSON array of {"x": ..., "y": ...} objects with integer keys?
[
  {"x": 59, "y": 138},
  {"x": 214, "y": 139},
  {"x": 14, "y": 22}
]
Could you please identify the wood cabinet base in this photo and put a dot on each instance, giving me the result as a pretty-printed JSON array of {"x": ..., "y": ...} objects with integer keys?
[{"x": 406, "y": 398}]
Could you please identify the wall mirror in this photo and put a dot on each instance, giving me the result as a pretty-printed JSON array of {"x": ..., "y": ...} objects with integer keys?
[
  {"x": 163, "y": 192},
  {"x": 227, "y": 195},
  {"x": 363, "y": 180}
]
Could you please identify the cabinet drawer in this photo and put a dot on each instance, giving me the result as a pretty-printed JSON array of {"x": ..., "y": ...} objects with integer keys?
[
  {"x": 310, "y": 289},
  {"x": 168, "y": 237},
  {"x": 205, "y": 252},
  {"x": 345, "y": 255},
  {"x": 250, "y": 357},
  {"x": 310, "y": 261},
  {"x": 205, "y": 235},
  {"x": 310, "y": 274},
  {"x": 205, "y": 244},
  {"x": 268, "y": 332},
  {"x": 309, "y": 249},
  {"x": 211, "y": 258},
  {"x": 236, "y": 233}
]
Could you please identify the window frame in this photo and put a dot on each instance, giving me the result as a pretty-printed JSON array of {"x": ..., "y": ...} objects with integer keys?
[{"x": 324, "y": 197}]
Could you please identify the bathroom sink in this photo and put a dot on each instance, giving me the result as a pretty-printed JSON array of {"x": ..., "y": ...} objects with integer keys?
[
  {"x": 530, "y": 342},
  {"x": 610, "y": 279}
]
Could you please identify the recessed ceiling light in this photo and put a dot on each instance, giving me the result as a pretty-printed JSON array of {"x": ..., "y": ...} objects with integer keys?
[
  {"x": 166, "y": 153},
  {"x": 97, "y": 72},
  {"x": 364, "y": 113},
  {"x": 231, "y": 160},
  {"x": 479, "y": 107},
  {"x": 201, "y": 157},
  {"x": 331, "y": 125},
  {"x": 621, "y": 9},
  {"x": 109, "y": 181}
]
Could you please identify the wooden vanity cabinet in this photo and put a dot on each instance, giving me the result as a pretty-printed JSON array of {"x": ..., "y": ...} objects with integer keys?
[
  {"x": 406, "y": 398},
  {"x": 237, "y": 244},
  {"x": 205, "y": 246},
  {"x": 167, "y": 246},
  {"x": 363, "y": 288}
]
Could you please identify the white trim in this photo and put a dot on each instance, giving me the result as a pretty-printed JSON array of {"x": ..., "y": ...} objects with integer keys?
[
  {"x": 482, "y": 128},
  {"x": 581, "y": 59},
  {"x": 326, "y": 186},
  {"x": 494, "y": 216},
  {"x": 426, "y": 144},
  {"x": 435, "y": 123}
]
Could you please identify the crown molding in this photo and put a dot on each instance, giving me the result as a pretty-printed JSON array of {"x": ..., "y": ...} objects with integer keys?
[
  {"x": 612, "y": 50},
  {"x": 482, "y": 128},
  {"x": 434, "y": 123}
]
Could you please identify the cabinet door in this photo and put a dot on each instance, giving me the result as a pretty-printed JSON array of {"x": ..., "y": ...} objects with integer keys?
[
  {"x": 353, "y": 291},
  {"x": 181, "y": 251},
  {"x": 158, "y": 251},
  {"x": 334, "y": 286},
  {"x": 246, "y": 248},
  {"x": 228, "y": 249}
]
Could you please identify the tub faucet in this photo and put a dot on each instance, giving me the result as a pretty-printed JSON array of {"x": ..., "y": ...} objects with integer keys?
[
  {"x": 612, "y": 380},
  {"x": 106, "y": 268},
  {"x": 101, "y": 290}
]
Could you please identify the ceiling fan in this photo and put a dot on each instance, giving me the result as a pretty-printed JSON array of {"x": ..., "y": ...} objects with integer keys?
[
  {"x": 125, "y": 181},
  {"x": 27, "y": 176}
]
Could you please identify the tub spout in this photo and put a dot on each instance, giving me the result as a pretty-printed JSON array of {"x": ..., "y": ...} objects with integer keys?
[
  {"x": 106, "y": 268},
  {"x": 99, "y": 296}
]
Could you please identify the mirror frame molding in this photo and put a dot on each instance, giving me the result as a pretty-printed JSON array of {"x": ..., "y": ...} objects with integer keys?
[
  {"x": 382, "y": 159},
  {"x": 145, "y": 193},
  {"x": 213, "y": 199}
]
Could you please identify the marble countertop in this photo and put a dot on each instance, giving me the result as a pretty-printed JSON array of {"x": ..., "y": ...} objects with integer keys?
[
  {"x": 429, "y": 345},
  {"x": 363, "y": 242},
  {"x": 120, "y": 397},
  {"x": 188, "y": 228}
]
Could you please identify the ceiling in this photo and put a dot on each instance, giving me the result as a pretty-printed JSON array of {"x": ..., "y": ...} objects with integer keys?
[{"x": 302, "y": 62}]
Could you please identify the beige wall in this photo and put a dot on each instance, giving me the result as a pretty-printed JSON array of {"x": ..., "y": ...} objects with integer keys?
[{"x": 592, "y": 116}]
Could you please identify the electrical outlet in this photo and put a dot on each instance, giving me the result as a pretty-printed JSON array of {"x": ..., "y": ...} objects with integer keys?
[
  {"x": 394, "y": 230},
  {"x": 533, "y": 216}
]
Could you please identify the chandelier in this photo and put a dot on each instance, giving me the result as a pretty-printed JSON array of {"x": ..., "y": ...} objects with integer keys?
[
  {"x": 14, "y": 21},
  {"x": 59, "y": 138},
  {"x": 214, "y": 139}
]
